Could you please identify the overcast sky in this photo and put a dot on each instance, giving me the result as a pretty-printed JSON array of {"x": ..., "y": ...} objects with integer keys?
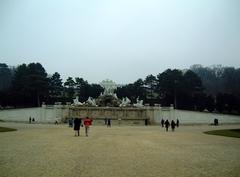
[{"x": 121, "y": 40}]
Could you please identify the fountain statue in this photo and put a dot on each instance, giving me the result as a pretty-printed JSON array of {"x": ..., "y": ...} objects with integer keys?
[
  {"x": 115, "y": 95},
  {"x": 76, "y": 102},
  {"x": 125, "y": 102},
  {"x": 108, "y": 98},
  {"x": 109, "y": 87},
  {"x": 91, "y": 101},
  {"x": 139, "y": 103}
]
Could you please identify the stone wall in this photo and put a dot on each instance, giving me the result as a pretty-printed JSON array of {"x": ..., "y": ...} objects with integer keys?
[
  {"x": 109, "y": 112},
  {"x": 118, "y": 115},
  {"x": 44, "y": 114}
]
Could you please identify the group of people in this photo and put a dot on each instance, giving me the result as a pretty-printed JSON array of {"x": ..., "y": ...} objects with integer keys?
[
  {"x": 107, "y": 122},
  {"x": 173, "y": 124},
  {"x": 87, "y": 122},
  {"x": 31, "y": 120},
  {"x": 77, "y": 123}
]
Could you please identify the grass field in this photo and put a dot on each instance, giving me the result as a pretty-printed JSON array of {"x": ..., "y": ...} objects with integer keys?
[
  {"x": 5, "y": 129},
  {"x": 228, "y": 132}
]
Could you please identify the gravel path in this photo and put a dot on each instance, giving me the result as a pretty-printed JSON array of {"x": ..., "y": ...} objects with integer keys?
[{"x": 52, "y": 150}]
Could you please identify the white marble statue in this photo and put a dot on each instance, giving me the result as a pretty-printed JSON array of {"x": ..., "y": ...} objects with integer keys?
[
  {"x": 139, "y": 103},
  {"x": 115, "y": 95},
  {"x": 109, "y": 87},
  {"x": 91, "y": 101},
  {"x": 76, "y": 102},
  {"x": 125, "y": 102}
]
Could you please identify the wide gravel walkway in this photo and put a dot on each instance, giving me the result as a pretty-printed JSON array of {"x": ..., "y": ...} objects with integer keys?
[{"x": 134, "y": 151}]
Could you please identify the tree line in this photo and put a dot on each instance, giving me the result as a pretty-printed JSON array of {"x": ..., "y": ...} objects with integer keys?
[{"x": 199, "y": 88}]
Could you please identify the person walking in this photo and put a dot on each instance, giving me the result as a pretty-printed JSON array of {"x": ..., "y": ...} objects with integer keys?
[
  {"x": 87, "y": 124},
  {"x": 109, "y": 122},
  {"x": 30, "y": 119},
  {"x": 146, "y": 122},
  {"x": 119, "y": 121},
  {"x": 105, "y": 121},
  {"x": 177, "y": 123},
  {"x": 162, "y": 122},
  {"x": 167, "y": 124},
  {"x": 173, "y": 124},
  {"x": 77, "y": 123}
]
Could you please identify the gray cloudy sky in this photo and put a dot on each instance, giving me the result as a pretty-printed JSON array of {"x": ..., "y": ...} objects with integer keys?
[{"x": 122, "y": 40}]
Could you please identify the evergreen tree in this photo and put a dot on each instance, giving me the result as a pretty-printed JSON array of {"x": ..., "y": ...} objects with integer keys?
[
  {"x": 69, "y": 88},
  {"x": 55, "y": 85}
]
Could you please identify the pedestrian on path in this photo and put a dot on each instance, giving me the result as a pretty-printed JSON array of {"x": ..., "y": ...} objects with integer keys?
[
  {"x": 77, "y": 123},
  {"x": 173, "y": 124},
  {"x": 167, "y": 124},
  {"x": 162, "y": 122},
  {"x": 87, "y": 124},
  {"x": 109, "y": 122}
]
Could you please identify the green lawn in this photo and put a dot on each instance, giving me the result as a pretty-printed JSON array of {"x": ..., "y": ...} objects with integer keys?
[
  {"x": 229, "y": 132},
  {"x": 5, "y": 129}
]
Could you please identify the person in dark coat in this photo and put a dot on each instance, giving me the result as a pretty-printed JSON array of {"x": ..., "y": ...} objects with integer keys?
[
  {"x": 177, "y": 123},
  {"x": 167, "y": 124},
  {"x": 173, "y": 124},
  {"x": 77, "y": 123},
  {"x": 30, "y": 119},
  {"x": 105, "y": 121},
  {"x": 109, "y": 122},
  {"x": 162, "y": 122},
  {"x": 146, "y": 121}
]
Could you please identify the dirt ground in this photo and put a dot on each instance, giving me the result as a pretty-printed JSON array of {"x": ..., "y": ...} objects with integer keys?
[{"x": 53, "y": 151}]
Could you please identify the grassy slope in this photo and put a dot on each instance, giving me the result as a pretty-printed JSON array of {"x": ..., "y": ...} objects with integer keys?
[
  {"x": 229, "y": 132},
  {"x": 5, "y": 129}
]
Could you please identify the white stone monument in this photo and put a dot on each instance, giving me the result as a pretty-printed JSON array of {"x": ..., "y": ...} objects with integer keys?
[
  {"x": 91, "y": 101},
  {"x": 139, "y": 103},
  {"x": 76, "y": 102},
  {"x": 109, "y": 87},
  {"x": 125, "y": 102}
]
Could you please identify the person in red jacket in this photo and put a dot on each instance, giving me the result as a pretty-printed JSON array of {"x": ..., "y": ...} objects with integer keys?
[{"x": 87, "y": 123}]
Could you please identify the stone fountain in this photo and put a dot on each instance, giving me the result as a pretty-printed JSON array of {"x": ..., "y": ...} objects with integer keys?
[{"x": 108, "y": 105}]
